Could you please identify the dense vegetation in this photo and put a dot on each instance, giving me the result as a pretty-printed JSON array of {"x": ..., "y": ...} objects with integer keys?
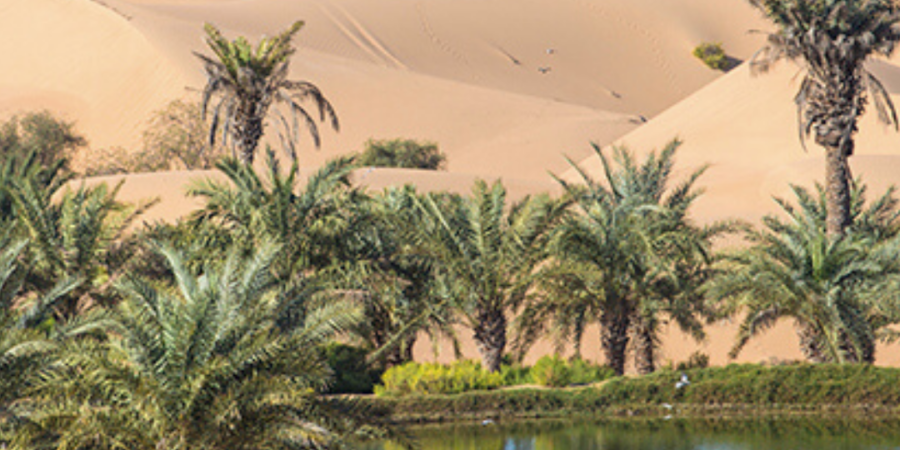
[
  {"x": 220, "y": 330},
  {"x": 738, "y": 388}
]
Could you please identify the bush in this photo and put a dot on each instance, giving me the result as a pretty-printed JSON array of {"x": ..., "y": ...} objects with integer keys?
[
  {"x": 402, "y": 153},
  {"x": 554, "y": 371},
  {"x": 351, "y": 373},
  {"x": 551, "y": 371},
  {"x": 515, "y": 374},
  {"x": 697, "y": 360},
  {"x": 586, "y": 372},
  {"x": 433, "y": 378},
  {"x": 712, "y": 55},
  {"x": 177, "y": 138},
  {"x": 39, "y": 135}
]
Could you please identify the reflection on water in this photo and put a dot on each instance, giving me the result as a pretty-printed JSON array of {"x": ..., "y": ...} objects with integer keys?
[{"x": 694, "y": 434}]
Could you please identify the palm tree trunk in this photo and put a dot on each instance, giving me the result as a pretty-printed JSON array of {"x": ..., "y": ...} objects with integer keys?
[
  {"x": 614, "y": 324},
  {"x": 810, "y": 344},
  {"x": 490, "y": 337},
  {"x": 248, "y": 131},
  {"x": 837, "y": 179},
  {"x": 644, "y": 348}
]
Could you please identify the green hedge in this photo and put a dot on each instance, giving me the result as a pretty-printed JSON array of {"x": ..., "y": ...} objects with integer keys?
[
  {"x": 554, "y": 371},
  {"x": 433, "y": 378},
  {"x": 741, "y": 388}
]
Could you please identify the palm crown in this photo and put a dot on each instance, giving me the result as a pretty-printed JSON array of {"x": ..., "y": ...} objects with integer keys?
[
  {"x": 247, "y": 81},
  {"x": 832, "y": 39}
]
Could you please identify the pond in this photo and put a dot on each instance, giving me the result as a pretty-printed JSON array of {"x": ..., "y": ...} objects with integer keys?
[{"x": 772, "y": 433}]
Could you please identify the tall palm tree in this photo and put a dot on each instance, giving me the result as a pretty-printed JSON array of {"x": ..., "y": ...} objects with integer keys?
[
  {"x": 836, "y": 290},
  {"x": 402, "y": 295},
  {"x": 205, "y": 363},
  {"x": 831, "y": 40},
  {"x": 629, "y": 257},
  {"x": 488, "y": 254},
  {"x": 244, "y": 82}
]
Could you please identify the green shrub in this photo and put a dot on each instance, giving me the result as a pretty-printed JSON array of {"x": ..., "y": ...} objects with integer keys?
[
  {"x": 515, "y": 374},
  {"x": 712, "y": 54},
  {"x": 554, "y": 371},
  {"x": 433, "y": 378},
  {"x": 402, "y": 153},
  {"x": 697, "y": 360},
  {"x": 351, "y": 373},
  {"x": 585, "y": 372}
]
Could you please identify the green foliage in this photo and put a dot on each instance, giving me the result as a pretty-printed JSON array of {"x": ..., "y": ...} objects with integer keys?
[
  {"x": 751, "y": 384},
  {"x": 402, "y": 153},
  {"x": 631, "y": 256},
  {"x": 434, "y": 378},
  {"x": 207, "y": 363},
  {"x": 34, "y": 148},
  {"x": 51, "y": 139},
  {"x": 712, "y": 54},
  {"x": 243, "y": 82},
  {"x": 312, "y": 221},
  {"x": 511, "y": 403},
  {"x": 555, "y": 371},
  {"x": 697, "y": 360},
  {"x": 351, "y": 373},
  {"x": 552, "y": 371},
  {"x": 488, "y": 253},
  {"x": 793, "y": 387},
  {"x": 582, "y": 371},
  {"x": 838, "y": 291},
  {"x": 515, "y": 374}
]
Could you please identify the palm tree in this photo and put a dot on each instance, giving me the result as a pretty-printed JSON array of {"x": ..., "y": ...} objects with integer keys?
[
  {"x": 831, "y": 40},
  {"x": 630, "y": 256},
  {"x": 205, "y": 363},
  {"x": 311, "y": 223},
  {"x": 488, "y": 253},
  {"x": 836, "y": 290},
  {"x": 402, "y": 296},
  {"x": 80, "y": 236},
  {"x": 246, "y": 81},
  {"x": 29, "y": 336}
]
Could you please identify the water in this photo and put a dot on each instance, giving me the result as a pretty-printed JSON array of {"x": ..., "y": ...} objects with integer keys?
[{"x": 658, "y": 434}]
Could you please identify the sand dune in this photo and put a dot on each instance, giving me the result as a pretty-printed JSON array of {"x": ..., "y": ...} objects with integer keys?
[{"x": 86, "y": 62}]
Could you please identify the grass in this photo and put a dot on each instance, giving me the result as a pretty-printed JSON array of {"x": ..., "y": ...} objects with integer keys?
[{"x": 731, "y": 390}]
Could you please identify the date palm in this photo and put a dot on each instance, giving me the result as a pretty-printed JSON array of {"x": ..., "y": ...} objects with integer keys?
[
  {"x": 831, "y": 40},
  {"x": 488, "y": 254},
  {"x": 29, "y": 337},
  {"x": 310, "y": 222},
  {"x": 243, "y": 82},
  {"x": 204, "y": 363},
  {"x": 835, "y": 290},
  {"x": 402, "y": 296},
  {"x": 629, "y": 258},
  {"x": 79, "y": 236}
]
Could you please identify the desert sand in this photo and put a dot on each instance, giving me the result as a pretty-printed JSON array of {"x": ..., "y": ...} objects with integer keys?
[{"x": 508, "y": 88}]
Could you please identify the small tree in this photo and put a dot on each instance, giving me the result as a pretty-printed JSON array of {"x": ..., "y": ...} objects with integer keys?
[{"x": 176, "y": 138}]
